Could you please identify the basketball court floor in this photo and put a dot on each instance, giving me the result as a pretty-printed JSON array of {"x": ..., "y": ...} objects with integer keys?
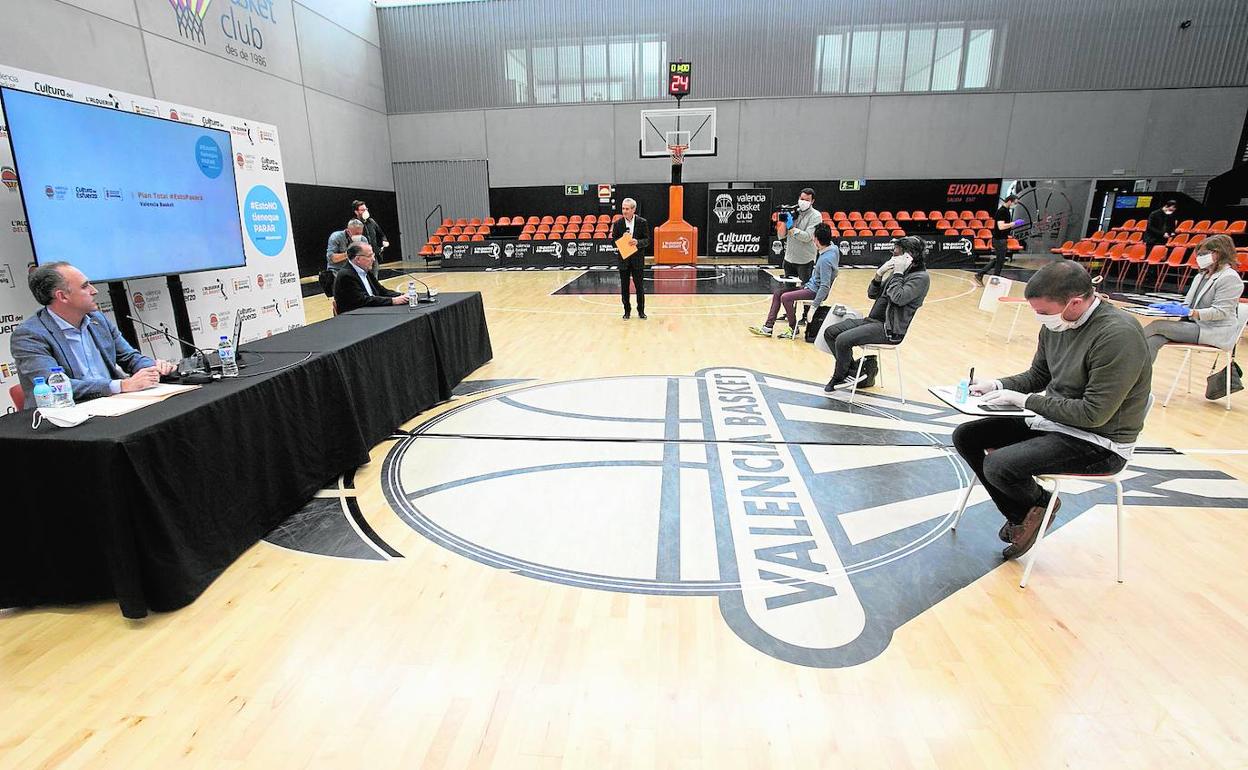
[{"x": 657, "y": 543}]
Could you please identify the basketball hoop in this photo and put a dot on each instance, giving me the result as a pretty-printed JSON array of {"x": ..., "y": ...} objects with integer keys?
[{"x": 677, "y": 152}]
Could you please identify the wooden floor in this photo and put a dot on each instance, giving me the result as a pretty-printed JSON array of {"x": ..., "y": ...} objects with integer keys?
[{"x": 293, "y": 660}]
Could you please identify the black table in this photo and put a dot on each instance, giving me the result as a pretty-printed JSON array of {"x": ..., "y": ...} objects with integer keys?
[{"x": 150, "y": 507}]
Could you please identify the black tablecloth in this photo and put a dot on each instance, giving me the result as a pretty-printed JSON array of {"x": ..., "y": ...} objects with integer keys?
[{"x": 151, "y": 506}]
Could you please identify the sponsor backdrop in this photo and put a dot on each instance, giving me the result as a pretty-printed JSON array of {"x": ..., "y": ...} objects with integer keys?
[
  {"x": 266, "y": 291},
  {"x": 740, "y": 223}
]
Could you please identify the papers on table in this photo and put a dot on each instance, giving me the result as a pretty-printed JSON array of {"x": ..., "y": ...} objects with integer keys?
[
  {"x": 1151, "y": 312},
  {"x": 125, "y": 403},
  {"x": 973, "y": 404}
]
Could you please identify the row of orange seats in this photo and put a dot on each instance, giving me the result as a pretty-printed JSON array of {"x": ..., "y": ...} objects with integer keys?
[
  {"x": 1117, "y": 258},
  {"x": 1191, "y": 227},
  {"x": 907, "y": 216}
]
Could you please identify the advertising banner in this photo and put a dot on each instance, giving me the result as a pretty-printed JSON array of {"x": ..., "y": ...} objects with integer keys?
[
  {"x": 499, "y": 253},
  {"x": 265, "y": 291},
  {"x": 739, "y": 223}
]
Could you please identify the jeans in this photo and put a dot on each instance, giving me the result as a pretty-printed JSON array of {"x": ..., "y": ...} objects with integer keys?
[
  {"x": 787, "y": 298},
  {"x": 844, "y": 336},
  {"x": 1158, "y": 333},
  {"x": 1001, "y": 250},
  {"x": 1019, "y": 454},
  {"x": 634, "y": 267},
  {"x": 801, "y": 272}
]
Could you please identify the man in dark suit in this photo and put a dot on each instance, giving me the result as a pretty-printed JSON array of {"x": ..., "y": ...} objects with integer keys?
[
  {"x": 1161, "y": 225},
  {"x": 69, "y": 331},
  {"x": 356, "y": 286},
  {"x": 634, "y": 267}
]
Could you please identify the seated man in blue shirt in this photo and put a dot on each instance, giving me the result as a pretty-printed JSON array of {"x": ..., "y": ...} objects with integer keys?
[
  {"x": 69, "y": 331},
  {"x": 816, "y": 289}
]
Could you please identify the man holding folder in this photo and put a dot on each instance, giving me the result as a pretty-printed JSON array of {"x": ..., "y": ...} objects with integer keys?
[{"x": 632, "y": 237}]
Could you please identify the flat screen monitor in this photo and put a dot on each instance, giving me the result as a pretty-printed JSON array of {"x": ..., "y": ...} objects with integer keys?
[{"x": 123, "y": 195}]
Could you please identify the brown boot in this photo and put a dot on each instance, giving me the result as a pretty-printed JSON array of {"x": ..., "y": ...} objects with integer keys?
[
  {"x": 1026, "y": 534},
  {"x": 1008, "y": 530}
]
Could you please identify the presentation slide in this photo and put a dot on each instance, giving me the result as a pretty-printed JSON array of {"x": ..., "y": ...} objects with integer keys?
[{"x": 122, "y": 195}]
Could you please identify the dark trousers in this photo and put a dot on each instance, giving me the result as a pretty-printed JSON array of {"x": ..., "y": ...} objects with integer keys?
[
  {"x": 634, "y": 267},
  {"x": 800, "y": 272},
  {"x": 1000, "y": 251},
  {"x": 842, "y": 337},
  {"x": 1019, "y": 454}
]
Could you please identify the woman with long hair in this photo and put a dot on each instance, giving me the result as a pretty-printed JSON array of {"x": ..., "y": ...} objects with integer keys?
[
  {"x": 899, "y": 287},
  {"x": 1208, "y": 312}
]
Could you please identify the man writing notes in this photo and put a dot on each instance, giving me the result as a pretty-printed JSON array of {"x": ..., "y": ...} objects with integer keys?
[
  {"x": 1093, "y": 367},
  {"x": 356, "y": 286},
  {"x": 634, "y": 267},
  {"x": 69, "y": 331}
]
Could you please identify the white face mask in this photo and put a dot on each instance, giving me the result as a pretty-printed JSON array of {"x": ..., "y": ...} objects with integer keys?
[
  {"x": 1055, "y": 322},
  {"x": 803, "y": 205},
  {"x": 61, "y": 417},
  {"x": 1204, "y": 260},
  {"x": 364, "y": 217}
]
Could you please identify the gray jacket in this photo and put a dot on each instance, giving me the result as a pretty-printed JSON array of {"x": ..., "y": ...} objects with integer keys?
[
  {"x": 897, "y": 299},
  {"x": 799, "y": 241},
  {"x": 1217, "y": 297}
]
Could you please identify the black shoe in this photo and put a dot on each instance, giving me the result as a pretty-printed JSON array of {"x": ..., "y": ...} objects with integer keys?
[
  {"x": 845, "y": 383},
  {"x": 979, "y": 279},
  {"x": 870, "y": 368},
  {"x": 628, "y": 314},
  {"x": 641, "y": 314}
]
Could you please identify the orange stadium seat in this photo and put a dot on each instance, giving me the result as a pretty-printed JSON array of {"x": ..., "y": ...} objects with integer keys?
[
  {"x": 461, "y": 222},
  {"x": 903, "y": 216},
  {"x": 981, "y": 214},
  {"x": 965, "y": 215},
  {"x": 475, "y": 221},
  {"x": 1065, "y": 248},
  {"x": 1237, "y": 227},
  {"x": 918, "y": 216}
]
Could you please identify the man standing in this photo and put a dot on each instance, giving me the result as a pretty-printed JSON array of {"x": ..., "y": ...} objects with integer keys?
[
  {"x": 797, "y": 232},
  {"x": 356, "y": 287},
  {"x": 1161, "y": 226},
  {"x": 1093, "y": 367},
  {"x": 816, "y": 289},
  {"x": 372, "y": 231},
  {"x": 1003, "y": 224},
  {"x": 69, "y": 331},
  {"x": 336, "y": 251},
  {"x": 634, "y": 267}
]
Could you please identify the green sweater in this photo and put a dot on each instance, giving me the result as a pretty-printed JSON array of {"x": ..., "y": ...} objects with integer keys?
[{"x": 1097, "y": 377}]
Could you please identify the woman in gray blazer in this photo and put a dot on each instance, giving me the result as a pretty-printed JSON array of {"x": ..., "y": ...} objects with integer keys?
[{"x": 1209, "y": 310}]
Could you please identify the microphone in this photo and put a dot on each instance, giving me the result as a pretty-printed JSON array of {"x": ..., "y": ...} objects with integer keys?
[
  {"x": 430, "y": 294},
  {"x": 190, "y": 378}
]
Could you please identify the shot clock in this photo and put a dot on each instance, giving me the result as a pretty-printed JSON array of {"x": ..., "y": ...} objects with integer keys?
[{"x": 679, "y": 74}]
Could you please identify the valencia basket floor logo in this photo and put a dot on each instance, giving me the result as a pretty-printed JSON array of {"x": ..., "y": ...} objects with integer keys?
[{"x": 820, "y": 526}]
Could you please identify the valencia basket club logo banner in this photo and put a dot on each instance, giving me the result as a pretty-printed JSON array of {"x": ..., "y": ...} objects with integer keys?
[{"x": 821, "y": 527}]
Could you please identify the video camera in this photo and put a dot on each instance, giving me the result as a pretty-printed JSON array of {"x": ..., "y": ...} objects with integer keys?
[{"x": 787, "y": 208}]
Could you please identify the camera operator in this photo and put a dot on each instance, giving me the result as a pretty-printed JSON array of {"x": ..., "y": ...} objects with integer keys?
[{"x": 797, "y": 230}]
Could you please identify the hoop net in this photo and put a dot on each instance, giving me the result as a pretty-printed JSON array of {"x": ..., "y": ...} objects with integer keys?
[{"x": 677, "y": 152}]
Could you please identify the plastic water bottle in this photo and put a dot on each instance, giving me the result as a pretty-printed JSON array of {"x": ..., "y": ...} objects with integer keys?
[
  {"x": 225, "y": 349},
  {"x": 62, "y": 390},
  {"x": 43, "y": 394},
  {"x": 413, "y": 297},
  {"x": 964, "y": 391}
]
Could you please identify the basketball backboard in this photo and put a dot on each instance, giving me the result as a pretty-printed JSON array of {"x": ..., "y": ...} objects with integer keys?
[{"x": 691, "y": 126}]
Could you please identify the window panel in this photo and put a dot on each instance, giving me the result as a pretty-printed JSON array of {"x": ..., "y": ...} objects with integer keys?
[
  {"x": 652, "y": 77},
  {"x": 948, "y": 59},
  {"x": 828, "y": 63},
  {"x": 892, "y": 55},
  {"x": 570, "y": 73},
  {"x": 621, "y": 63},
  {"x": 919, "y": 47},
  {"x": 978, "y": 59},
  {"x": 544, "y": 75},
  {"x": 862, "y": 61},
  {"x": 517, "y": 75}
]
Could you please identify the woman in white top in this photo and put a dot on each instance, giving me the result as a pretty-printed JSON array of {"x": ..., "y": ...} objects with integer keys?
[{"x": 1209, "y": 310}]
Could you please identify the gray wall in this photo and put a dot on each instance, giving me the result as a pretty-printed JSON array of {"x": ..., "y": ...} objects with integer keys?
[
  {"x": 452, "y": 56},
  {"x": 1027, "y": 135},
  {"x": 320, "y": 82}
]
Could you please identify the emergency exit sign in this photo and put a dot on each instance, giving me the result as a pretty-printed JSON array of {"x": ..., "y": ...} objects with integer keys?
[{"x": 574, "y": 189}]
